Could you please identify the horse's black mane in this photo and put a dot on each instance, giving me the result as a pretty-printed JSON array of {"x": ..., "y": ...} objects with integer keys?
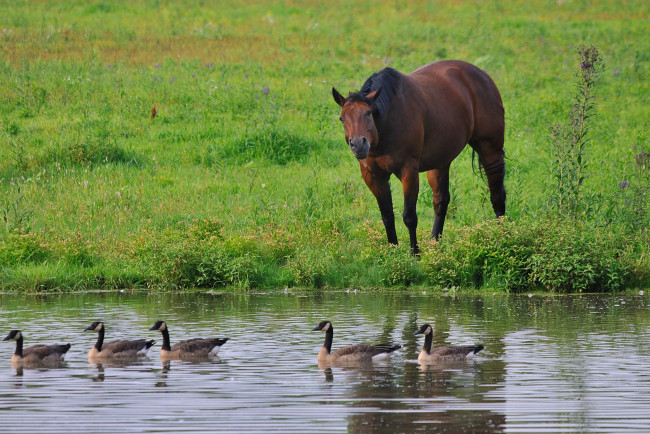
[{"x": 388, "y": 80}]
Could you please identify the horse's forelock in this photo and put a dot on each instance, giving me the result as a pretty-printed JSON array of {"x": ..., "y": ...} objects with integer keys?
[{"x": 357, "y": 97}]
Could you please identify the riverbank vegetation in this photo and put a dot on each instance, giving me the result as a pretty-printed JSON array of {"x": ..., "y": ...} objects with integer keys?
[{"x": 154, "y": 145}]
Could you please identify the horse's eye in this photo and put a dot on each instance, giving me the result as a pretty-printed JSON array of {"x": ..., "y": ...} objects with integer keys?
[
  {"x": 341, "y": 118},
  {"x": 368, "y": 113}
]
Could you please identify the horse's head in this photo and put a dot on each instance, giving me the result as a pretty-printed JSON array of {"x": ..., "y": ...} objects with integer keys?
[{"x": 357, "y": 117}]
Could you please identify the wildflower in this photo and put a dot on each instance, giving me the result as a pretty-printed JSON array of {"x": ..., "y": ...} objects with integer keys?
[
  {"x": 624, "y": 184},
  {"x": 585, "y": 65},
  {"x": 266, "y": 90}
]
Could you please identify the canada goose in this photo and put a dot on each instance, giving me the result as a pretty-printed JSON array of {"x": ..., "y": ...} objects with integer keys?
[
  {"x": 189, "y": 348},
  {"x": 116, "y": 349},
  {"x": 353, "y": 353},
  {"x": 35, "y": 354},
  {"x": 446, "y": 353}
]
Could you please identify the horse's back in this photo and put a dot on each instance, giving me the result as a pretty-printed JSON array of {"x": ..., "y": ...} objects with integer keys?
[
  {"x": 464, "y": 106},
  {"x": 458, "y": 73}
]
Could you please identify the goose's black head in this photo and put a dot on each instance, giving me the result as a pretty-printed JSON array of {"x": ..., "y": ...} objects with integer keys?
[
  {"x": 323, "y": 326},
  {"x": 424, "y": 330},
  {"x": 14, "y": 334},
  {"x": 159, "y": 325},
  {"x": 97, "y": 326}
]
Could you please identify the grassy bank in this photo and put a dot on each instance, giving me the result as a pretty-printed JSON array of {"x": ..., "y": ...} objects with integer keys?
[{"x": 242, "y": 177}]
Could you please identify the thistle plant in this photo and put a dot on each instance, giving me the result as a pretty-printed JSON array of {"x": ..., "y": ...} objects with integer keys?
[{"x": 569, "y": 141}]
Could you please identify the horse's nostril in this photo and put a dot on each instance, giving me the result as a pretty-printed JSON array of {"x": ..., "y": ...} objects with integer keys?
[{"x": 360, "y": 142}]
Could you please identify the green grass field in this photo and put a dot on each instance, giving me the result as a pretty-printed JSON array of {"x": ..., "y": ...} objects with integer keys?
[{"x": 243, "y": 179}]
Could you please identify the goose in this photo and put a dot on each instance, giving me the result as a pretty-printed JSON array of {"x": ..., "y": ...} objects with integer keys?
[
  {"x": 445, "y": 353},
  {"x": 35, "y": 354},
  {"x": 352, "y": 353},
  {"x": 118, "y": 349},
  {"x": 189, "y": 348}
]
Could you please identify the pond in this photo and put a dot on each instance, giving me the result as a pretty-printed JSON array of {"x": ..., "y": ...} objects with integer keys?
[{"x": 552, "y": 364}]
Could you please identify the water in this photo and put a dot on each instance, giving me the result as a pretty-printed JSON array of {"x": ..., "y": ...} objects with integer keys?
[{"x": 550, "y": 364}]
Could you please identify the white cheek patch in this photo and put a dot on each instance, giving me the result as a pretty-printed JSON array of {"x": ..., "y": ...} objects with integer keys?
[
  {"x": 163, "y": 326},
  {"x": 428, "y": 331},
  {"x": 99, "y": 327},
  {"x": 327, "y": 327},
  {"x": 18, "y": 335}
]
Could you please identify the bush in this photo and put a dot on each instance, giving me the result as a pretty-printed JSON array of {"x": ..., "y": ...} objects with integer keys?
[
  {"x": 572, "y": 257},
  {"x": 198, "y": 255},
  {"x": 399, "y": 268},
  {"x": 493, "y": 253},
  {"x": 556, "y": 255},
  {"x": 18, "y": 248}
]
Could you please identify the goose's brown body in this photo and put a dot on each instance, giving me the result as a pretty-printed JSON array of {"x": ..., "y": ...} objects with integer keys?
[
  {"x": 352, "y": 353},
  {"x": 450, "y": 353},
  {"x": 38, "y": 354},
  {"x": 116, "y": 349},
  {"x": 195, "y": 348}
]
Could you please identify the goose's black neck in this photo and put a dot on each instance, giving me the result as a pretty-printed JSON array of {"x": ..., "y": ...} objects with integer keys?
[
  {"x": 100, "y": 339},
  {"x": 329, "y": 336},
  {"x": 19, "y": 346},
  {"x": 166, "y": 346},
  {"x": 428, "y": 340}
]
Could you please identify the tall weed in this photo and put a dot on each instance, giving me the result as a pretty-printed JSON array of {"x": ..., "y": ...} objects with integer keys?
[{"x": 570, "y": 141}]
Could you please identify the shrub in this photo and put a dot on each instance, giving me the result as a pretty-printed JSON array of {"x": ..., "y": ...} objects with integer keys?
[
  {"x": 557, "y": 255},
  {"x": 493, "y": 253},
  {"x": 198, "y": 255},
  {"x": 18, "y": 248},
  {"x": 573, "y": 257},
  {"x": 398, "y": 267}
]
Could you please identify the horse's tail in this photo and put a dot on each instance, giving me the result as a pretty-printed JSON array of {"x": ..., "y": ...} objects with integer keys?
[
  {"x": 482, "y": 169},
  {"x": 480, "y": 165}
]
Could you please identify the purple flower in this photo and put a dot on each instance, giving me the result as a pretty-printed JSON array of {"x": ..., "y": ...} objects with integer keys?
[
  {"x": 585, "y": 65},
  {"x": 624, "y": 184}
]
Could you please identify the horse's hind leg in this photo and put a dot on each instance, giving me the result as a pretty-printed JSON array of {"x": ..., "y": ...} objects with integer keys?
[{"x": 439, "y": 182}]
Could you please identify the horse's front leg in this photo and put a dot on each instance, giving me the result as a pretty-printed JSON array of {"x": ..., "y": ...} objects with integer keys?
[
  {"x": 411, "y": 186},
  {"x": 380, "y": 188}
]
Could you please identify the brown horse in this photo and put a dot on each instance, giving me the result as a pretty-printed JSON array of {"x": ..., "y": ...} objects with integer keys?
[{"x": 419, "y": 122}]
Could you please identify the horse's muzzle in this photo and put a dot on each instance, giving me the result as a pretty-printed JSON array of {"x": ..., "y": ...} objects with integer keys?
[{"x": 360, "y": 147}]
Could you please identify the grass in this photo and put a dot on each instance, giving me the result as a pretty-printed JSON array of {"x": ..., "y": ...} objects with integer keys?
[{"x": 242, "y": 178}]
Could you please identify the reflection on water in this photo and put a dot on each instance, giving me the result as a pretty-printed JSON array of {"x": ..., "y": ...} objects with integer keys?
[{"x": 549, "y": 364}]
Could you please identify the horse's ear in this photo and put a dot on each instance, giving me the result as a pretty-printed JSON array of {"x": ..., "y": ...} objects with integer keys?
[
  {"x": 372, "y": 96},
  {"x": 340, "y": 100}
]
